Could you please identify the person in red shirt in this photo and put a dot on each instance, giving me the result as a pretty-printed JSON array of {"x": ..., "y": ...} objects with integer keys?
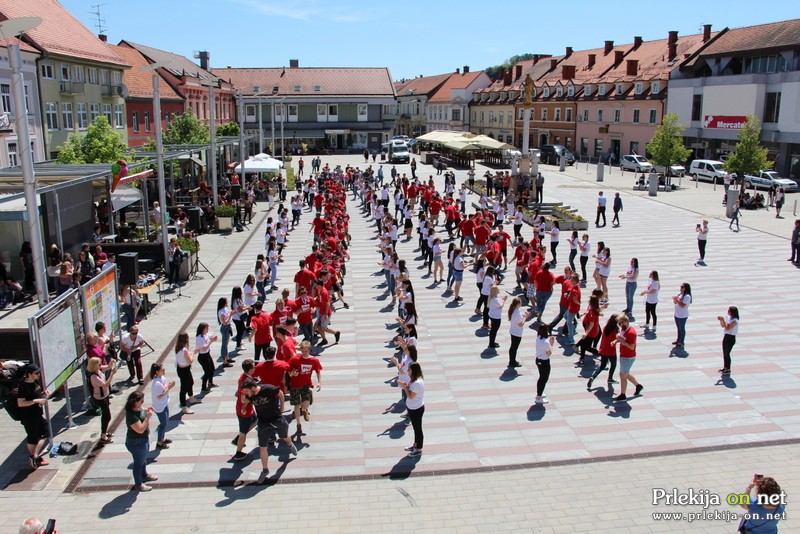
[
  {"x": 544, "y": 282},
  {"x": 503, "y": 238},
  {"x": 591, "y": 329},
  {"x": 286, "y": 344},
  {"x": 481, "y": 232},
  {"x": 301, "y": 396},
  {"x": 467, "y": 230},
  {"x": 303, "y": 278},
  {"x": 573, "y": 307},
  {"x": 272, "y": 371},
  {"x": 317, "y": 224},
  {"x": 435, "y": 208},
  {"x": 324, "y": 313},
  {"x": 626, "y": 339},
  {"x": 304, "y": 306},
  {"x": 566, "y": 284},
  {"x": 318, "y": 199},
  {"x": 245, "y": 412},
  {"x": 279, "y": 315},
  {"x": 451, "y": 216},
  {"x": 261, "y": 333},
  {"x": 522, "y": 256},
  {"x": 607, "y": 351}
]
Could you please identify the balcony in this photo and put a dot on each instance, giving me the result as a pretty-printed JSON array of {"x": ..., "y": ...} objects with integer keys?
[
  {"x": 70, "y": 88},
  {"x": 111, "y": 90}
]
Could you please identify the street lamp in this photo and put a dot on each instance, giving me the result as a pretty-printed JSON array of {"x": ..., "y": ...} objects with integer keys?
[
  {"x": 213, "y": 132},
  {"x": 15, "y": 28}
]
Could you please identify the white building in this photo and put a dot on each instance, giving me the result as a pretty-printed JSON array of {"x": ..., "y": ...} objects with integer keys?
[
  {"x": 9, "y": 141},
  {"x": 448, "y": 107}
]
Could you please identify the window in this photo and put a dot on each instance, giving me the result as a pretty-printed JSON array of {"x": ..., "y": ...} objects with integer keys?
[
  {"x": 585, "y": 115},
  {"x": 64, "y": 72},
  {"x": 601, "y": 90},
  {"x": 293, "y": 113},
  {"x": 361, "y": 112},
  {"x": 653, "y": 114},
  {"x": 620, "y": 89},
  {"x": 545, "y": 91},
  {"x": 322, "y": 113},
  {"x": 588, "y": 90},
  {"x": 598, "y": 148},
  {"x": 116, "y": 77},
  {"x": 584, "y": 146},
  {"x": 456, "y": 115},
  {"x": 559, "y": 91},
  {"x": 51, "y": 115},
  {"x": 502, "y": 116},
  {"x": 762, "y": 64},
  {"x": 66, "y": 115},
  {"x": 5, "y": 98},
  {"x": 697, "y": 107},
  {"x": 83, "y": 116},
  {"x": 636, "y": 116},
  {"x": 296, "y": 88},
  {"x": 135, "y": 121},
  {"x": 94, "y": 112},
  {"x": 639, "y": 88},
  {"x": 317, "y": 88},
  {"x": 655, "y": 88},
  {"x": 617, "y": 115},
  {"x": 12, "y": 154},
  {"x": 250, "y": 112},
  {"x": 107, "y": 113},
  {"x": 104, "y": 80},
  {"x": 772, "y": 107},
  {"x": 557, "y": 115},
  {"x": 119, "y": 117},
  {"x": 92, "y": 75},
  {"x": 510, "y": 118},
  {"x": 333, "y": 112},
  {"x": 599, "y": 115},
  {"x": 146, "y": 121},
  {"x": 634, "y": 147},
  {"x": 568, "y": 117},
  {"x": 570, "y": 90},
  {"x": 47, "y": 70},
  {"x": 544, "y": 114},
  {"x": 78, "y": 73}
]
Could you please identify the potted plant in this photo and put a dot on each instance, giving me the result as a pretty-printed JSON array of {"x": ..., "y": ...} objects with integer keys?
[
  {"x": 225, "y": 216},
  {"x": 190, "y": 247}
]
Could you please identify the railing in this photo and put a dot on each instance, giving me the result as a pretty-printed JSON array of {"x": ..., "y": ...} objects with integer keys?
[
  {"x": 111, "y": 90},
  {"x": 71, "y": 88}
]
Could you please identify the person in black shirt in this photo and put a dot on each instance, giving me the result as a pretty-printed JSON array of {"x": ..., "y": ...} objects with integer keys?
[
  {"x": 268, "y": 401},
  {"x": 30, "y": 399}
]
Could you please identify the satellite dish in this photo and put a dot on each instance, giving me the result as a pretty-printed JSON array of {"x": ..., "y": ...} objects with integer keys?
[
  {"x": 18, "y": 26},
  {"x": 123, "y": 89}
]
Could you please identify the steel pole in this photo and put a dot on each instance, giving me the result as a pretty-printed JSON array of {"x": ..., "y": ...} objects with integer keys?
[
  {"x": 28, "y": 176},
  {"x": 242, "y": 155},
  {"x": 162, "y": 184},
  {"x": 283, "y": 112},
  {"x": 213, "y": 159},
  {"x": 260, "y": 129}
]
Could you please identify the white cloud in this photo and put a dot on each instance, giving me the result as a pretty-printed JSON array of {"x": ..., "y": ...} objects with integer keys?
[{"x": 286, "y": 8}]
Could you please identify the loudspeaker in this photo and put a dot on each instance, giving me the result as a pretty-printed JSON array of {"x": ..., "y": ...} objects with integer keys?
[
  {"x": 236, "y": 192},
  {"x": 128, "y": 263},
  {"x": 195, "y": 219}
]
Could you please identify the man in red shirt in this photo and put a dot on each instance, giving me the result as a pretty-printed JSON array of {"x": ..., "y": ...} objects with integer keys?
[
  {"x": 303, "y": 278},
  {"x": 245, "y": 412},
  {"x": 279, "y": 315},
  {"x": 502, "y": 241},
  {"x": 324, "y": 313},
  {"x": 272, "y": 371},
  {"x": 300, "y": 383},
  {"x": 566, "y": 285},
  {"x": 261, "y": 333},
  {"x": 286, "y": 344},
  {"x": 626, "y": 338},
  {"x": 543, "y": 281},
  {"x": 573, "y": 307},
  {"x": 522, "y": 256},
  {"x": 304, "y": 306},
  {"x": 481, "y": 232},
  {"x": 467, "y": 230}
]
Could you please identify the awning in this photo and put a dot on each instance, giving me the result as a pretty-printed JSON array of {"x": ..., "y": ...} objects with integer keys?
[
  {"x": 125, "y": 196},
  {"x": 16, "y": 210}
]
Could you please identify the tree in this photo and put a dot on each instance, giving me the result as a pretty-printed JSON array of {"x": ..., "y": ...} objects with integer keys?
[
  {"x": 100, "y": 144},
  {"x": 186, "y": 129},
  {"x": 749, "y": 157},
  {"x": 666, "y": 146},
  {"x": 494, "y": 72},
  {"x": 230, "y": 129}
]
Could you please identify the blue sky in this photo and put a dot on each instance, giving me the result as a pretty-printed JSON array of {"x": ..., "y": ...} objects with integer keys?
[{"x": 411, "y": 37}]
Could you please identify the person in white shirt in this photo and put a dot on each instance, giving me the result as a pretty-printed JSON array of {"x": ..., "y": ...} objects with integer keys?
[
  {"x": 601, "y": 209},
  {"x": 554, "y": 232},
  {"x": 415, "y": 403},
  {"x": 651, "y": 300},
  {"x": 682, "y": 301},
  {"x": 702, "y": 237},
  {"x": 495, "y": 314},
  {"x": 516, "y": 327},
  {"x": 544, "y": 349},
  {"x": 132, "y": 345},
  {"x": 730, "y": 326},
  {"x": 159, "y": 390},
  {"x": 585, "y": 247}
]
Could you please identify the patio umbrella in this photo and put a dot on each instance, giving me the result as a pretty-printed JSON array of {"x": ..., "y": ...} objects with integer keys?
[{"x": 260, "y": 165}]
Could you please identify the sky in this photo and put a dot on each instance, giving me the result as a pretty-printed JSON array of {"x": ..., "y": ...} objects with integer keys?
[{"x": 410, "y": 37}]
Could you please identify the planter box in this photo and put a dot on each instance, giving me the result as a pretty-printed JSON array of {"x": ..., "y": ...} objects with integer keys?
[
  {"x": 186, "y": 267},
  {"x": 224, "y": 224}
]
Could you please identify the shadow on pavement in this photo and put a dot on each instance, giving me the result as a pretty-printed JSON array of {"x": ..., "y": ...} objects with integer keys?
[
  {"x": 403, "y": 468},
  {"x": 396, "y": 431},
  {"x": 536, "y": 412},
  {"x": 119, "y": 505},
  {"x": 727, "y": 381}
]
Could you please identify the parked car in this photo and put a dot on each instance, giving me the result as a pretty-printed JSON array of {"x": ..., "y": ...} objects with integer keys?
[
  {"x": 552, "y": 153},
  {"x": 674, "y": 170},
  {"x": 709, "y": 170},
  {"x": 765, "y": 179},
  {"x": 635, "y": 163}
]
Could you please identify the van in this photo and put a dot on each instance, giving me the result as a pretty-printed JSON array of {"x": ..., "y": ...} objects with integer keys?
[
  {"x": 709, "y": 170},
  {"x": 398, "y": 152},
  {"x": 551, "y": 154}
]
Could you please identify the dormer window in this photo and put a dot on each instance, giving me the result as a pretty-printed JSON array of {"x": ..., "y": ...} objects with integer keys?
[
  {"x": 570, "y": 90},
  {"x": 620, "y": 88},
  {"x": 656, "y": 87},
  {"x": 639, "y": 88},
  {"x": 601, "y": 90},
  {"x": 559, "y": 91},
  {"x": 546, "y": 91},
  {"x": 588, "y": 90},
  {"x": 296, "y": 88}
]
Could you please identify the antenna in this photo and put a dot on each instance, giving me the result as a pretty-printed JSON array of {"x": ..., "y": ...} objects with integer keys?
[{"x": 99, "y": 20}]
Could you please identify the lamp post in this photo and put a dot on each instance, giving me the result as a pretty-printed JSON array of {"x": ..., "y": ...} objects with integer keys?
[
  {"x": 213, "y": 131},
  {"x": 15, "y": 28},
  {"x": 242, "y": 155},
  {"x": 256, "y": 90}
]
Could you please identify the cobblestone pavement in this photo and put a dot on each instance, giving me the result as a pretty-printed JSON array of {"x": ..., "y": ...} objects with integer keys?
[{"x": 479, "y": 417}]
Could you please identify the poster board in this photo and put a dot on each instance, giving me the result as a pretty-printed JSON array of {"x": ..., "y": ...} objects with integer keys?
[
  {"x": 100, "y": 301},
  {"x": 57, "y": 338}
]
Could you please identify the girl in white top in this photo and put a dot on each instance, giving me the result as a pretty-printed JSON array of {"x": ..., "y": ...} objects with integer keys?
[
  {"x": 730, "y": 327},
  {"x": 517, "y": 220},
  {"x": 573, "y": 249},
  {"x": 603, "y": 269},
  {"x": 651, "y": 300},
  {"x": 415, "y": 403},
  {"x": 516, "y": 326},
  {"x": 682, "y": 301},
  {"x": 555, "y": 233},
  {"x": 482, "y": 202},
  {"x": 544, "y": 349},
  {"x": 249, "y": 290},
  {"x": 631, "y": 276},
  {"x": 159, "y": 395},
  {"x": 261, "y": 271},
  {"x": 702, "y": 237},
  {"x": 495, "y": 314},
  {"x": 585, "y": 247},
  {"x": 184, "y": 359}
]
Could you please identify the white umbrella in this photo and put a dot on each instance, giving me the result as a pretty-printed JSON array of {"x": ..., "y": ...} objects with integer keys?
[{"x": 260, "y": 165}]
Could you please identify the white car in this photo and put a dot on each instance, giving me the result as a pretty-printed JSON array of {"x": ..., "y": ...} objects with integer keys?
[
  {"x": 635, "y": 163},
  {"x": 674, "y": 170},
  {"x": 765, "y": 179}
]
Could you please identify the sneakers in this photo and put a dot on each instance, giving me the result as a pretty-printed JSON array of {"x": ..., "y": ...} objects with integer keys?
[
  {"x": 293, "y": 449},
  {"x": 414, "y": 453},
  {"x": 161, "y": 445},
  {"x": 322, "y": 343},
  {"x": 409, "y": 449},
  {"x": 187, "y": 411},
  {"x": 620, "y": 398},
  {"x": 234, "y": 441},
  {"x": 515, "y": 364},
  {"x": 612, "y": 381},
  {"x": 262, "y": 477},
  {"x": 305, "y": 413},
  {"x": 144, "y": 487},
  {"x": 724, "y": 371},
  {"x": 638, "y": 391},
  {"x": 33, "y": 463},
  {"x": 337, "y": 335},
  {"x": 150, "y": 478},
  {"x": 239, "y": 456},
  {"x": 542, "y": 400}
]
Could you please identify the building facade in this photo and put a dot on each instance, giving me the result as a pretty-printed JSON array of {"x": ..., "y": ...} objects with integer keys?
[
  {"x": 753, "y": 70},
  {"x": 492, "y": 111},
  {"x": 412, "y": 103},
  {"x": 9, "y": 140},
  {"x": 448, "y": 107},
  {"x": 321, "y": 108}
]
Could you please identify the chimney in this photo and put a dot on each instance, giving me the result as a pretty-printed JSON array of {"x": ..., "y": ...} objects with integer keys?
[
  {"x": 592, "y": 58},
  {"x": 294, "y": 63},
  {"x": 553, "y": 63},
  {"x": 637, "y": 42},
  {"x": 518, "y": 72},
  {"x": 501, "y": 74},
  {"x": 103, "y": 38},
  {"x": 568, "y": 52},
  {"x": 673, "y": 37},
  {"x": 632, "y": 67},
  {"x": 706, "y": 32},
  {"x": 618, "y": 54},
  {"x": 466, "y": 69},
  {"x": 205, "y": 58},
  {"x": 536, "y": 58},
  {"x": 567, "y": 72},
  {"x": 609, "y": 47},
  {"x": 458, "y": 71},
  {"x": 507, "y": 78}
]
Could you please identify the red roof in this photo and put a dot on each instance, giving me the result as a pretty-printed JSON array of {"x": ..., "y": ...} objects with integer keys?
[
  {"x": 776, "y": 35},
  {"x": 424, "y": 85},
  {"x": 304, "y": 81},
  {"x": 59, "y": 33},
  {"x": 23, "y": 46},
  {"x": 140, "y": 84},
  {"x": 455, "y": 81}
]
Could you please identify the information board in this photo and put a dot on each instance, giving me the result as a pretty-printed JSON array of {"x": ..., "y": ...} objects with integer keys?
[
  {"x": 58, "y": 340},
  {"x": 100, "y": 301}
]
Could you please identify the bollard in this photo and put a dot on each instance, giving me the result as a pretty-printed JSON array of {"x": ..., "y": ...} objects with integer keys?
[
  {"x": 600, "y": 171},
  {"x": 652, "y": 184},
  {"x": 562, "y": 165},
  {"x": 794, "y": 211}
]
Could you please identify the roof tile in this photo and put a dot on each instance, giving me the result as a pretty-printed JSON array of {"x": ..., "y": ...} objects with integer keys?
[
  {"x": 140, "y": 84},
  {"x": 331, "y": 81}
]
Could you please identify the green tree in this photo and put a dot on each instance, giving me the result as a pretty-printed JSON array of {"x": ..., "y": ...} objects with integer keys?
[
  {"x": 666, "y": 147},
  {"x": 494, "y": 72},
  {"x": 100, "y": 144},
  {"x": 230, "y": 129},
  {"x": 749, "y": 157},
  {"x": 186, "y": 129}
]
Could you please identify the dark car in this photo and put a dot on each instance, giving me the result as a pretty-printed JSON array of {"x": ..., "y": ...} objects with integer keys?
[{"x": 552, "y": 153}]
